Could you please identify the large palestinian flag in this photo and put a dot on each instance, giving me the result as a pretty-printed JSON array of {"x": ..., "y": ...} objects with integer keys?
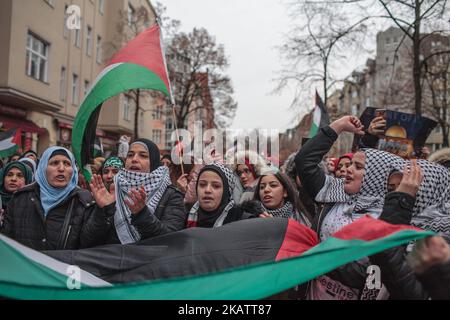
[
  {"x": 139, "y": 65},
  {"x": 250, "y": 259}
]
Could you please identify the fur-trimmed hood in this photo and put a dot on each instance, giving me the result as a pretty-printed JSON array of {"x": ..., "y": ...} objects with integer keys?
[{"x": 441, "y": 157}]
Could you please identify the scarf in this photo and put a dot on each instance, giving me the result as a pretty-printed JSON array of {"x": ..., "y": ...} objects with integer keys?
[
  {"x": 370, "y": 198},
  {"x": 5, "y": 195},
  {"x": 216, "y": 219},
  {"x": 286, "y": 211},
  {"x": 114, "y": 162},
  {"x": 51, "y": 196},
  {"x": 155, "y": 184}
]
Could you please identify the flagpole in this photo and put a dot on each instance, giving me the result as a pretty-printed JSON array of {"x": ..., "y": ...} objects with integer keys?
[{"x": 172, "y": 100}]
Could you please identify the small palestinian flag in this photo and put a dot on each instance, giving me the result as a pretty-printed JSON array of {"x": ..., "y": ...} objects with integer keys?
[
  {"x": 249, "y": 259},
  {"x": 139, "y": 65},
  {"x": 320, "y": 116},
  {"x": 9, "y": 142}
]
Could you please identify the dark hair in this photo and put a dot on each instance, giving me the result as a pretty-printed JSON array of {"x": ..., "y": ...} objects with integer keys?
[
  {"x": 292, "y": 194},
  {"x": 175, "y": 171}
]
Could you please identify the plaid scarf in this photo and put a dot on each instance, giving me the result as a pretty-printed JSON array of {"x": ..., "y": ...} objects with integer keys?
[
  {"x": 155, "y": 184},
  {"x": 194, "y": 212}
]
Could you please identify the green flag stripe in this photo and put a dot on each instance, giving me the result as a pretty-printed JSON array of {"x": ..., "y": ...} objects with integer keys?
[
  {"x": 249, "y": 282},
  {"x": 8, "y": 152},
  {"x": 124, "y": 77}
]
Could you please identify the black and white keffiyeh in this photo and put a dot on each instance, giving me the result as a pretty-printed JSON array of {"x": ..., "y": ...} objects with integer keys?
[
  {"x": 286, "y": 211},
  {"x": 378, "y": 166},
  {"x": 155, "y": 184},
  {"x": 432, "y": 199},
  {"x": 230, "y": 203}
]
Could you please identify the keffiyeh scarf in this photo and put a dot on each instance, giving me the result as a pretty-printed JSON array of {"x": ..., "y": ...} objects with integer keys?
[
  {"x": 155, "y": 184},
  {"x": 286, "y": 211},
  {"x": 194, "y": 212}
]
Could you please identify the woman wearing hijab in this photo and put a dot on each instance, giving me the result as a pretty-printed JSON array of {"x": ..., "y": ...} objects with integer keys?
[
  {"x": 53, "y": 213},
  {"x": 278, "y": 199},
  {"x": 31, "y": 164},
  {"x": 343, "y": 163},
  {"x": 141, "y": 199},
  {"x": 215, "y": 206},
  {"x": 13, "y": 177},
  {"x": 109, "y": 169},
  {"x": 362, "y": 192}
]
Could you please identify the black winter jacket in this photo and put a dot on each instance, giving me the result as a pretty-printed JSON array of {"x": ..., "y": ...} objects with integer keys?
[
  {"x": 354, "y": 274},
  {"x": 88, "y": 225},
  {"x": 170, "y": 216}
]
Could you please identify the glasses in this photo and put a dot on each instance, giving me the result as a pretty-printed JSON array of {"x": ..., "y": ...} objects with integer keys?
[{"x": 246, "y": 171}]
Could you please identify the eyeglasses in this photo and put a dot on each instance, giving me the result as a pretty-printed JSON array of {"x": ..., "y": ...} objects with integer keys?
[{"x": 246, "y": 171}]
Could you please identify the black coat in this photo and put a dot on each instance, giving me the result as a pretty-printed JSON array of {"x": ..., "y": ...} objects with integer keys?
[
  {"x": 170, "y": 216},
  {"x": 396, "y": 274},
  {"x": 88, "y": 225}
]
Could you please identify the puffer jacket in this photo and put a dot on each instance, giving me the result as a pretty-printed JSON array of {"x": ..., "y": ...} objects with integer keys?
[
  {"x": 75, "y": 223},
  {"x": 170, "y": 216}
]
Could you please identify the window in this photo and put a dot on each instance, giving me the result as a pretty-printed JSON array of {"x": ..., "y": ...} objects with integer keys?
[
  {"x": 62, "y": 84},
  {"x": 368, "y": 102},
  {"x": 156, "y": 136},
  {"x": 169, "y": 129},
  {"x": 157, "y": 113},
  {"x": 88, "y": 40},
  {"x": 37, "y": 58},
  {"x": 99, "y": 49},
  {"x": 65, "y": 30},
  {"x": 126, "y": 108},
  {"x": 354, "y": 110},
  {"x": 388, "y": 40},
  {"x": 130, "y": 14},
  {"x": 355, "y": 93},
  {"x": 75, "y": 88},
  {"x": 77, "y": 38},
  {"x": 86, "y": 87},
  {"x": 101, "y": 6}
]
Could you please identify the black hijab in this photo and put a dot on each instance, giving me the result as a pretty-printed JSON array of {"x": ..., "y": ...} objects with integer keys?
[{"x": 153, "y": 151}]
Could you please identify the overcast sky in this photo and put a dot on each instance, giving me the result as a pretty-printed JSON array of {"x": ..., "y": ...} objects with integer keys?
[{"x": 249, "y": 30}]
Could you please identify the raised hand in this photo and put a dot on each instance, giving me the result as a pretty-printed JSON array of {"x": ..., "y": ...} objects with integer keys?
[
  {"x": 182, "y": 183},
  {"x": 265, "y": 215},
  {"x": 348, "y": 124},
  {"x": 429, "y": 252},
  {"x": 377, "y": 126},
  {"x": 102, "y": 196},
  {"x": 412, "y": 178},
  {"x": 136, "y": 200}
]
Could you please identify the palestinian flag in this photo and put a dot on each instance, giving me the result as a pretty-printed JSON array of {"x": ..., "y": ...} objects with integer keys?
[
  {"x": 9, "y": 142},
  {"x": 320, "y": 116},
  {"x": 249, "y": 259},
  {"x": 139, "y": 65}
]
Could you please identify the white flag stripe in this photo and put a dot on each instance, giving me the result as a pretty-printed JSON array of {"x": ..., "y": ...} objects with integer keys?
[
  {"x": 7, "y": 143},
  {"x": 55, "y": 265}
]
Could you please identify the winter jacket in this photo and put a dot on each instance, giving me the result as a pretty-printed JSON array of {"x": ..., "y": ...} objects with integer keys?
[
  {"x": 75, "y": 223},
  {"x": 352, "y": 275},
  {"x": 170, "y": 216},
  {"x": 436, "y": 281},
  {"x": 396, "y": 274}
]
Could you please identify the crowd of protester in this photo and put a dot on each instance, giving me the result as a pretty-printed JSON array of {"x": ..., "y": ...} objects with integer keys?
[{"x": 46, "y": 204}]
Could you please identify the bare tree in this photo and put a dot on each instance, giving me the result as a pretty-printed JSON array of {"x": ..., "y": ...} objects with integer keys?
[
  {"x": 411, "y": 16},
  {"x": 436, "y": 73},
  {"x": 320, "y": 40},
  {"x": 191, "y": 56}
]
